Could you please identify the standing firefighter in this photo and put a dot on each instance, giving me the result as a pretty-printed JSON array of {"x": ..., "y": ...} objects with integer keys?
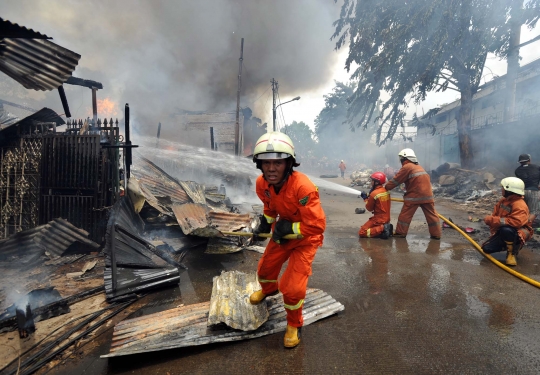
[
  {"x": 418, "y": 194},
  {"x": 378, "y": 202},
  {"x": 342, "y": 168},
  {"x": 509, "y": 223},
  {"x": 530, "y": 175},
  {"x": 293, "y": 200}
]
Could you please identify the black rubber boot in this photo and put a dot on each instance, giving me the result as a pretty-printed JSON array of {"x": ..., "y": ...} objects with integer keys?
[{"x": 387, "y": 231}]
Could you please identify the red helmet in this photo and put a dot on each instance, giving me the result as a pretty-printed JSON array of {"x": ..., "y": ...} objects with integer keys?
[{"x": 378, "y": 176}]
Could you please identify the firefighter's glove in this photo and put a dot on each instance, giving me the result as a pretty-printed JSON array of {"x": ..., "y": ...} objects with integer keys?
[
  {"x": 263, "y": 227},
  {"x": 364, "y": 195},
  {"x": 492, "y": 221},
  {"x": 281, "y": 229}
]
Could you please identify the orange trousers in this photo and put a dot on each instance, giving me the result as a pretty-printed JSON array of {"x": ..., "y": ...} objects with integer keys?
[
  {"x": 372, "y": 228},
  {"x": 407, "y": 213},
  {"x": 293, "y": 282}
]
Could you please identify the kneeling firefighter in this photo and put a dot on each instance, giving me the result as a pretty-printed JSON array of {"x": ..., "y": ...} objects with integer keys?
[
  {"x": 509, "y": 223},
  {"x": 378, "y": 202},
  {"x": 291, "y": 206}
]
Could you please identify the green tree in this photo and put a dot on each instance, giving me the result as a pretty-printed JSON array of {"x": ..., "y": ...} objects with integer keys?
[
  {"x": 410, "y": 48},
  {"x": 337, "y": 139},
  {"x": 335, "y": 108},
  {"x": 302, "y": 137}
]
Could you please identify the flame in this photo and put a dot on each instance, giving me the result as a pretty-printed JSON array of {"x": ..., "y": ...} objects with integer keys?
[{"x": 106, "y": 108}]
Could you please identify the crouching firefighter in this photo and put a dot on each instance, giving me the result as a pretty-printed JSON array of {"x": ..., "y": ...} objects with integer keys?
[
  {"x": 509, "y": 223},
  {"x": 291, "y": 206},
  {"x": 377, "y": 202}
]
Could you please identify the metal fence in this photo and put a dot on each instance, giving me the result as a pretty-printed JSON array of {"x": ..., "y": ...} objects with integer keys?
[{"x": 73, "y": 175}]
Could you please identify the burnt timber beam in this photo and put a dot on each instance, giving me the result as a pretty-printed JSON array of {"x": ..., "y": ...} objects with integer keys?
[{"x": 84, "y": 82}]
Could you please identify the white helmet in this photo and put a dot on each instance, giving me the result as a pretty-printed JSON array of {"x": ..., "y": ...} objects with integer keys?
[
  {"x": 409, "y": 154},
  {"x": 513, "y": 184},
  {"x": 273, "y": 145}
]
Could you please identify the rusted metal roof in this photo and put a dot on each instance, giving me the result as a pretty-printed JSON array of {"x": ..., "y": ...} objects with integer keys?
[
  {"x": 187, "y": 325},
  {"x": 12, "y": 30},
  {"x": 37, "y": 64},
  {"x": 194, "y": 190},
  {"x": 53, "y": 238},
  {"x": 228, "y": 221},
  {"x": 229, "y": 303},
  {"x": 192, "y": 218}
]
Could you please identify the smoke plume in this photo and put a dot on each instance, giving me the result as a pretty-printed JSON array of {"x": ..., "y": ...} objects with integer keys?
[{"x": 163, "y": 57}]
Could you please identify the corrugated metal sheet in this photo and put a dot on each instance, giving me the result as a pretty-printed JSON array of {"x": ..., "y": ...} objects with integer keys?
[
  {"x": 187, "y": 325},
  {"x": 53, "y": 238},
  {"x": 130, "y": 249},
  {"x": 58, "y": 235},
  {"x": 37, "y": 64},
  {"x": 192, "y": 218},
  {"x": 43, "y": 115},
  {"x": 132, "y": 281},
  {"x": 224, "y": 245},
  {"x": 161, "y": 188},
  {"x": 228, "y": 221},
  {"x": 194, "y": 190},
  {"x": 229, "y": 303},
  {"x": 12, "y": 30}
]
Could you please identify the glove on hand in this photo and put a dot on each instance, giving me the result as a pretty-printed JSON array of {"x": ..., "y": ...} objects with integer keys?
[
  {"x": 488, "y": 219},
  {"x": 281, "y": 229},
  {"x": 364, "y": 195},
  {"x": 263, "y": 227}
]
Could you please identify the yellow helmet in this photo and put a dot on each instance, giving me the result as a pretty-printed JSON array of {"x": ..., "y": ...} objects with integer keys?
[
  {"x": 513, "y": 184},
  {"x": 273, "y": 145}
]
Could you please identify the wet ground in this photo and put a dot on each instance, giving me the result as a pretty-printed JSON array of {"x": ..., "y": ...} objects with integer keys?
[{"x": 412, "y": 306}]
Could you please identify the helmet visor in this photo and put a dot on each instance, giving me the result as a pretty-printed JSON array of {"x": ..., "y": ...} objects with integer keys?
[{"x": 272, "y": 155}]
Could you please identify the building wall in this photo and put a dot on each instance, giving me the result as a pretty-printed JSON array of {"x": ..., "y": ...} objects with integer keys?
[{"x": 223, "y": 124}]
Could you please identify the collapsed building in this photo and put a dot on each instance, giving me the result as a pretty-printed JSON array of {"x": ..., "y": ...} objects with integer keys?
[{"x": 85, "y": 217}]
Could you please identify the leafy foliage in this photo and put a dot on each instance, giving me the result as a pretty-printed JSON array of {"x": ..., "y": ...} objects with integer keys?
[
  {"x": 410, "y": 48},
  {"x": 302, "y": 137},
  {"x": 335, "y": 107}
]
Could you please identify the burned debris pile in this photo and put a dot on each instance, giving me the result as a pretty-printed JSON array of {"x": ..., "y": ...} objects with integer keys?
[
  {"x": 451, "y": 181},
  {"x": 360, "y": 177}
]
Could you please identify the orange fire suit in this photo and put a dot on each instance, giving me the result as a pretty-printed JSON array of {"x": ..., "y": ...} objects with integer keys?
[
  {"x": 298, "y": 202},
  {"x": 418, "y": 194},
  {"x": 378, "y": 202},
  {"x": 511, "y": 211}
]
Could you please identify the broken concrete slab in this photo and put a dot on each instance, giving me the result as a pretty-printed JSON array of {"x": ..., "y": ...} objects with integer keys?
[
  {"x": 187, "y": 325},
  {"x": 230, "y": 305}
]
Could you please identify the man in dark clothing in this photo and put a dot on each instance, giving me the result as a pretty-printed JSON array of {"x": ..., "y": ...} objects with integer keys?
[{"x": 530, "y": 175}]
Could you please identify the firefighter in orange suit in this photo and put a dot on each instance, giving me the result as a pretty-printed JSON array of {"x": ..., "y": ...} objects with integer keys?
[
  {"x": 418, "y": 194},
  {"x": 378, "y": 202},
  {"x": 509, "y": 223},
  {"x": 291, "y": 206}
]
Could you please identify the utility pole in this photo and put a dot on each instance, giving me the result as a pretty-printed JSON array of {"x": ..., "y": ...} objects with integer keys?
[
  {"x": 237, "y": 125},
  {"x": 512, "y": 62},
  {"x": 274, "y": 92}
]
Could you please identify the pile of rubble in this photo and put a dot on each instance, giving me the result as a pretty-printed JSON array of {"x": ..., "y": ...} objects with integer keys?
[
  {"x": 360, "y": 177},
  {"x": 449, "y": 180}
]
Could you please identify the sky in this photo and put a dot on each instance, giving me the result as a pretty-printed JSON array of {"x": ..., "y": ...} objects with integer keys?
[{"x": 164, "y": 57}]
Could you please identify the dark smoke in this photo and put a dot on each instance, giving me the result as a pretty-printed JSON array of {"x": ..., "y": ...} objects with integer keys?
[{"x": 166, "y": 56}]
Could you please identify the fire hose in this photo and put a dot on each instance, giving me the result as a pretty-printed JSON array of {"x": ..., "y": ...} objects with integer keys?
[{"x": 493, "y": 260}]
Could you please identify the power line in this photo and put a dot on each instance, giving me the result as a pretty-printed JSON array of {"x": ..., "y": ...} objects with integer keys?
[{"x": 281, "y": 108}]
